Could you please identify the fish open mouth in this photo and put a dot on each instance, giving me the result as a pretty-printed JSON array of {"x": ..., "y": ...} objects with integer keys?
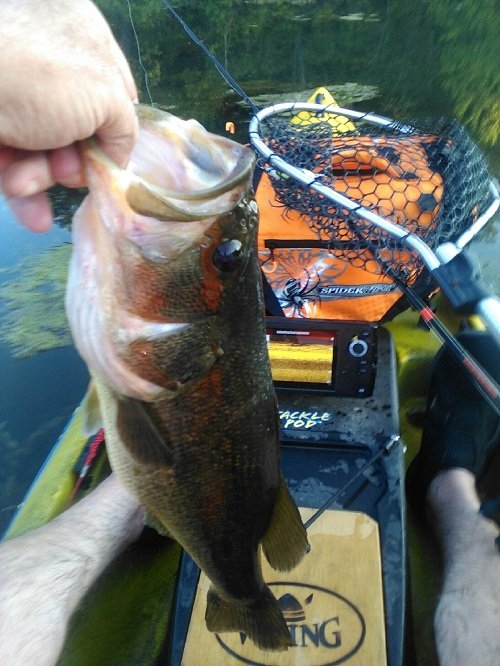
[{"x": 179, "y": 171}]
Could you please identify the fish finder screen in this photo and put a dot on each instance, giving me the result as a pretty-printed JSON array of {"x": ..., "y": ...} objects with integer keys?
[{"x": 301, "y": 356}]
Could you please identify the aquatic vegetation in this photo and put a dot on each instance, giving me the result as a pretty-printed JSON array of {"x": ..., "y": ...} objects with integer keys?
[{"x": 32, "y": 301}]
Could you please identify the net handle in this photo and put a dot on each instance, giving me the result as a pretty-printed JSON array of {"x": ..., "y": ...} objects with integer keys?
[{"x": 487, "y": 306}]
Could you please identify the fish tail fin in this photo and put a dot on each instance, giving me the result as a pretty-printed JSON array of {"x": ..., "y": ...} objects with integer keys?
[
  {"x": 262, "y": 620},
  {"x": 285, "y": 542}
]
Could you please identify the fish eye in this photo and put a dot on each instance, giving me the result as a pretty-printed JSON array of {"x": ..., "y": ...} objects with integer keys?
[{"x": 228, "y": 255}]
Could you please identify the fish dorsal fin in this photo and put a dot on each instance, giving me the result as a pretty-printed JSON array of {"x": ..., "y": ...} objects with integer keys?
[
  {"x": 140, "y": 434},
  {"x": 91, "y": 411},
  {"x": 285, "y": 542}
]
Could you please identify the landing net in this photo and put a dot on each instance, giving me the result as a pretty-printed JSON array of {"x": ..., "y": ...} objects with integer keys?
[{"x": 371, "y": 187}]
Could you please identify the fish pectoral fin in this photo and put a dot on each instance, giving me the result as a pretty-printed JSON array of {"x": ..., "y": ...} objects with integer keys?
[
  {"x": 91, "y": 411},
  {"x": 155, "y": 523},
  {"x": 262, "y": 620},
  {"x": 285, "y": 542},
  {"x": 141, "y": 435}
]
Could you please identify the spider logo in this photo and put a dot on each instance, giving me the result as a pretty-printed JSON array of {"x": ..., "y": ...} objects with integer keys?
[{"x": 295, "y": 295}]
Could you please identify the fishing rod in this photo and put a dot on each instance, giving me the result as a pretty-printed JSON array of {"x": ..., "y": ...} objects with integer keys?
[
  {"x": 448, "y": 265},
  {"x": 215, "y": 62},
  {"x": 482, "y": 380}
]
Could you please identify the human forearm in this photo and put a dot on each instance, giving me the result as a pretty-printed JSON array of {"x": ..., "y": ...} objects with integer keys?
[
  {"x": 104, "y": 523},
  {"x": 466, "y": 619},
  {"x": 45, "y": 573}
]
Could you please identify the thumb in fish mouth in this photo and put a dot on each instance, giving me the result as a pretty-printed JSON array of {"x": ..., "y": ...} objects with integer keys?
[{"x": 178, "y": 171}]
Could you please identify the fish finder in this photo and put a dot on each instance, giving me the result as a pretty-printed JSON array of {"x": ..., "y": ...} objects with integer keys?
[{"x": 323, "y": 355}]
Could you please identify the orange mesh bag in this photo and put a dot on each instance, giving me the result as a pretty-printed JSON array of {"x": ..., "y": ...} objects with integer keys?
[{"x": 308, "y": 279}]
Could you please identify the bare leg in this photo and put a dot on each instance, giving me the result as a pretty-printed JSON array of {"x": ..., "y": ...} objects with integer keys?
[
  {"x": 460, "y": 437},
  {"x": 45, "y": 573},
  {"x": 467, "y": 619}
]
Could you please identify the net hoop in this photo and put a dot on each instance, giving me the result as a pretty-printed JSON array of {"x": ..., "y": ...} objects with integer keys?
[{"x": 276, "y": 167}]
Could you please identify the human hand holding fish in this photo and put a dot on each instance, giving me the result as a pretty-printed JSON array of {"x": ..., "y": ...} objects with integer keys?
[
  {"x": 166, "y": 307},
  {"x": 164, "y": 300},
  {"x": 63, "y": 79}
]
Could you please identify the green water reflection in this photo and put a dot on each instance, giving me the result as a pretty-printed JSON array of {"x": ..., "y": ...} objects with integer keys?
[{"x": 425, "y": 58}]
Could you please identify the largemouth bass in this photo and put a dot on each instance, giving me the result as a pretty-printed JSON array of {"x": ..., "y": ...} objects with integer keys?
[{"x": 165, "y": 304}]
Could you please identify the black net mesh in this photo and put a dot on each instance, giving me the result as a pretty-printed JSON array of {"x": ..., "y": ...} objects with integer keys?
[{"x": 429, "y": 178}]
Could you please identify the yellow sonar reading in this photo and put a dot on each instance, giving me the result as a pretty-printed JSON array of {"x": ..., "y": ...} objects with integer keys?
[{"x": 302, "y": 361}]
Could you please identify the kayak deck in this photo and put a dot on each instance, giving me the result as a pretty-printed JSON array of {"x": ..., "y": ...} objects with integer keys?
[{"x": 133, "y": 614}]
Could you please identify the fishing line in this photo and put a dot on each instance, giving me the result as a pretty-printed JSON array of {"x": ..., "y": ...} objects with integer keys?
[
  {"x": 216, "y": 63},
  {"x": 146, "y": 79},
  {"x": 386, "y": 449}
]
